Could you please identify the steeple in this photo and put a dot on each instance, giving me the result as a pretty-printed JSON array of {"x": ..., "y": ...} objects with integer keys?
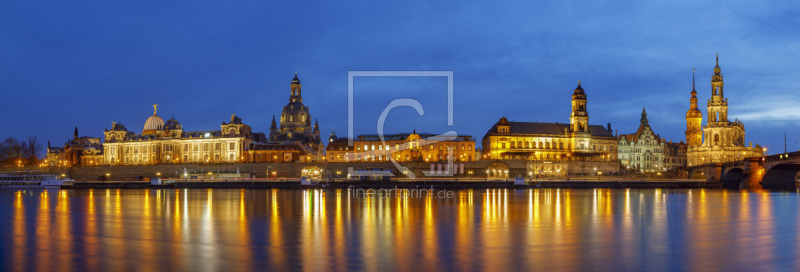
[
  {"x": 75, "y": 135},
  {"x": 644, "y": 118},
  {"x": 693, "y": 90},
  {"x": 274, "y": 125},
  {"x": 316, "y": 125},
  {"x": 296, "y": 88},
  {"x": 716, "y": 81},
  {"x": 718, "y": 104},
  {"x": 332, "y": 137}
]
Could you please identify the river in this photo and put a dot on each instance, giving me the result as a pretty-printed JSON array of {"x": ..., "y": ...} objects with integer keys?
[{"x": 495, "y": 229}]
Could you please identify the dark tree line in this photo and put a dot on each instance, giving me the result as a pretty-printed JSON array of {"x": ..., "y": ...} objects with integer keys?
[{"x": 13, "y": 151}]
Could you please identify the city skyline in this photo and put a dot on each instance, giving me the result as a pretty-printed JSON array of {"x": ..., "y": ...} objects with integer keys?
[{"x": 522, "y": 71}]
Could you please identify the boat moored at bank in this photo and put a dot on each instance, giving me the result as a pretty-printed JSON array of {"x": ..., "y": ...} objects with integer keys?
[{"x": 31, "y": 181}]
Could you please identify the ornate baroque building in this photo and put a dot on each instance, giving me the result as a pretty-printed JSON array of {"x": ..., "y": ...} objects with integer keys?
[
  {"x": 167, "y": 142},
  {"x": 642, "y": 151},
  {"x": 79, "y": 151},
  {"x": 721, "y": 140},
  {"x": 295, "y": 126},
  {"x": 551, "y": 147}
]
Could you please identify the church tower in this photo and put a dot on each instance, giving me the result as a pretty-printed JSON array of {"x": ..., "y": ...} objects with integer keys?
[
  {"x": 718, "y": 104},
  {"x": 694, "y": 120},
  {"x": 644, "y": 118},
  {"x": 296, "y": 88},
  {"x": 579, "y": 119}
]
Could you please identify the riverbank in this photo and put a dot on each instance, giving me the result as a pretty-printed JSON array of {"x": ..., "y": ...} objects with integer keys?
[{"x": 443, "y": 184}]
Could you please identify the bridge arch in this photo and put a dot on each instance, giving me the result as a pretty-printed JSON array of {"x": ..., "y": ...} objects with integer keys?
[
  {"x": 733, "y": 177},
  {"x": 734, "y": 174},
  {"x": 697, "y": 174},
  {"x": 781, "y": 176}
]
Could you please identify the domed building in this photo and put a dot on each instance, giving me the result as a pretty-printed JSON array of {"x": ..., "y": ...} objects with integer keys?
[
  {"x": 154, "y": 123},
  {"x": 167, "y": 142},
  {"x": 295, "y": 124}
]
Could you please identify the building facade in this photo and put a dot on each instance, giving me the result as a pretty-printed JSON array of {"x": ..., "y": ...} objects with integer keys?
[
  {"x": 295, "y": 127},
  {"x": 722, "y": 140},
  {"x": 675, "y": 155},
  {"x": 642, "y": 151},
  {"x": 167, "y": 142},
  {"x": 551, "y": 146},
  {"x": 402, "y": 147},
  {"x": 79, "y": 151}
]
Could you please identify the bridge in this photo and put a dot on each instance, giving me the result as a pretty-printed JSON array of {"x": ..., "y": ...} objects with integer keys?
[{"x": 769, "y": 172}]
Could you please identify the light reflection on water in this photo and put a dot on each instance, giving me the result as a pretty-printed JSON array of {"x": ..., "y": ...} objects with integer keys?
[{"x": 492, "y": 229}]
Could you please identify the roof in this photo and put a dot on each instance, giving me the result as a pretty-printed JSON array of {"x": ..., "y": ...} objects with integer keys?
[
  {"x": 549, "y": 128},
  {"x": 403, "y": 136},
  {"x": 635, "y": 137}
]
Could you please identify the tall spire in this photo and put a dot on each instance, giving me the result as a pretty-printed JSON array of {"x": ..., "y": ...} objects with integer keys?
[
  {"x": 693, "y": 78},
  {"x": 75, "y": 135},
  {"x": 644, "y": 117}
]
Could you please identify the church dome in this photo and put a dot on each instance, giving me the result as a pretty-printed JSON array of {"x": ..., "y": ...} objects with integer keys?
[
  {"x": 154, "y": 123},
  {"x": 294, "y": 114},
  {"x": 172, "y": 123},
  {"x": 579, "y": 93},
  {"x": 579, "y": 90},
  {"x": 694, "y": 113}
]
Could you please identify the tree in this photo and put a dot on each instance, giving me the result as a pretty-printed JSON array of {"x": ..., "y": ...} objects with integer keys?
[
  {"x": 10, "y": 151},
  {"x": 11, "y": 148},
  {"x": 32, "y": 147}
]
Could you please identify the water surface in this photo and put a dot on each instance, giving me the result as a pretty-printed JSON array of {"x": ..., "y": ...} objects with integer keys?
[{"x": 498, "y": 230}]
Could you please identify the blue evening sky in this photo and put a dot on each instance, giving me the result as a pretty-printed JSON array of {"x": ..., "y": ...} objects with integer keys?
[{"x": 88, "y": 63}]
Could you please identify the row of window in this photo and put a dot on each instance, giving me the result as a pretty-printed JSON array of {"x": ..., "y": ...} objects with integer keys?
[
  {"x": 169, "y": 147},
  {"x": 411, "y": 146}
]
